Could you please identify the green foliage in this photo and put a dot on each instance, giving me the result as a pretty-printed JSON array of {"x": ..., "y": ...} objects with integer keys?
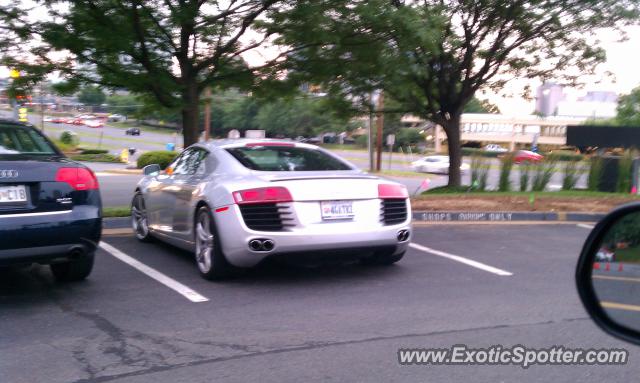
[
  {"x": 160, "y": 157},
  {"x": 475, "y": 105},
  {"x": 506, "y": 165},
  {"x": 479, "y": 173},
  {"x": 94, "y": 151},
  {"x": 69, "y": 138},
  {"x": 525, "y": 175},
  {"x": 626, "y": 230},
  {"x": 570, "y": 174},
  {"x": 91, "y": 95},
  {"x": 628, "y": 110},
  {"x": 128, "y": 105},
  {"x": 479, "y": 152},
  {"x": 625, "y": 170},
  {"x": 543, "y": 171},
  {"x": 596, "y": 167},
  {"x": 96, "y": 157},
  {"x": 431, "y": 57},
  {"x": 408, "y": 137},
  {"x": 566, "y": 155}
]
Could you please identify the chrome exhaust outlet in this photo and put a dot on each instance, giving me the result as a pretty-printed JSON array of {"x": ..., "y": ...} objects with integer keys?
[
  {"x": 268, "y": 245},
  {"x": 403, "y": 235},
  {"x": 256, "y": 245}
]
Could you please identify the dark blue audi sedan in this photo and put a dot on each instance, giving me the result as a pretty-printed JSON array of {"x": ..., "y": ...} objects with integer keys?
[{"x": 50, "y": 208}]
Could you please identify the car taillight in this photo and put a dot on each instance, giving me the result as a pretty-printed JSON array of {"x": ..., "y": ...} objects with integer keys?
[
  {"x": 78, "y": 178},
  {"x": 262, "y": 195},
  {"x": 392, "y": 191}
]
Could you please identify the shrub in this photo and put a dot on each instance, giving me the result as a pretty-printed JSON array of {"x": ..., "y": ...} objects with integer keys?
[
  {"x": 566, "y": 155},
  {"x": 361, "y": 141},
  {"x": 595, "y": 173},
  {"x": 570, "y": 174},
  {"x": 543, "y": 172},
  {"x": 479, "y": 152},
  {"x": 160, "y": 157},
  {"x": 479, "y": 173},
  {"x": 102, "y": 157},
  {"x": 506, "y": 165},
  {"x": 94, "y": 151},
  {"x": 68, "y": 138},
  {"x": 525, "y": 176},
  {"x": 625, "y": 169}
]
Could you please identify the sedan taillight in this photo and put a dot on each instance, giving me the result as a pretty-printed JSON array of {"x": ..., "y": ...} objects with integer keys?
[
  {"x": 262, "y": 195},
  {"x": 78, "y": 178}
]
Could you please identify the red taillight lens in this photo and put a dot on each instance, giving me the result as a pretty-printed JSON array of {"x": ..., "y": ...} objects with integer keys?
[
  {"x": 262, "y": 195},
  {"x": 78, "y": 178},
  {"x": 392, "y": 191}
]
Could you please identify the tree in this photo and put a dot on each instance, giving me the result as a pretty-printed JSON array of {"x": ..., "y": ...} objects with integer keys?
[
  {"x": 628, "y": 111},
  {"x": 433, "y": 56},
  {"x": 475, "y": 105},
  {"x": 91, "y": 95},
  {"x": 169, "y": 50}
]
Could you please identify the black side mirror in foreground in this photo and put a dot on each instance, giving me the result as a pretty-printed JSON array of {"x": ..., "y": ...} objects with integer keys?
[
  {"x": 153, "y": 169},
  {"x": 608, "y": 273}
]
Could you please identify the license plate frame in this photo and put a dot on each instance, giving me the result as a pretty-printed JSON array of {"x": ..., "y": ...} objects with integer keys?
[
  {"x": 13, "y": 194},
  {"x": 336, "y": 210}
]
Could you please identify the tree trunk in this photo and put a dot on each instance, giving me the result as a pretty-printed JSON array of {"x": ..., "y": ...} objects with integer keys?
[
  {"x": 452, "y": 129},
  {"x": 190, "y": 114}
]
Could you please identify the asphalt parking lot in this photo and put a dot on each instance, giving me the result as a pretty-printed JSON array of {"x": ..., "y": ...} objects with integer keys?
[{"x": 479, "y": 285}]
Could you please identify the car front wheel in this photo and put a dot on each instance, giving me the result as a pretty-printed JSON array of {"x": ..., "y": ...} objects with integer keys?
[
  {"x": 139, "y": 219},
  {"x": 211, "y": 262}
]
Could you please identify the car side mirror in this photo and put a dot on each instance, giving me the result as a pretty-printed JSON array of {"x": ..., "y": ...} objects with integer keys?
[
  {"x": 608, "y": 273},
  {"x": 151, "y": 170}
]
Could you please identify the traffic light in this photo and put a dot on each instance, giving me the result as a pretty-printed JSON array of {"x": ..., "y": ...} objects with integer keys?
[{"x": 22, "y": 114}]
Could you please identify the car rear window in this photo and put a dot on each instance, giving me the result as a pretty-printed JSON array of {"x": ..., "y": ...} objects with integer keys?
[
  {"x": 21, "y": 140},
  {"x": 286, "y": 159}
]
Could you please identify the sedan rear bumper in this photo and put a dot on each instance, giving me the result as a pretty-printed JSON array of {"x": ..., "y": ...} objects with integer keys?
[{"x": 46, "y": 238}]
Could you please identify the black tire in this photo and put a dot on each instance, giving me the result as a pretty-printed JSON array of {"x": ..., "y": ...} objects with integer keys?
[
  {"x": 383, "y": 258},
  {"x": 139, "y": 219},
  {"x": 73, "y": 270},
  {"x": 211, "y": 262}
]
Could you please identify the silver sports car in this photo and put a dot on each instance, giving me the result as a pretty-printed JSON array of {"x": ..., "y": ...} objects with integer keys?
[{"x": 236, "y": 202}]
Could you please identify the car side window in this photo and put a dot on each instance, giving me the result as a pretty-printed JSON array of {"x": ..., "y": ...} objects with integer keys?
[{"x": 190, "y": 162}]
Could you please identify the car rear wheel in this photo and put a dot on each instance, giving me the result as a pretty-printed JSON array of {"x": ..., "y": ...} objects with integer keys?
[
  {"x": 139, "y": 220},
  {"x": 211, "y": 262},
  {"x": 75, "y": 269},
  {"x": 383, "y": 258}
]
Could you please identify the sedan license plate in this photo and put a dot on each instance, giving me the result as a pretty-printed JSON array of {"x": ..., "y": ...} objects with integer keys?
[
  {"x": 13, "y": 194},
  {"x": 336, "y": 210}
]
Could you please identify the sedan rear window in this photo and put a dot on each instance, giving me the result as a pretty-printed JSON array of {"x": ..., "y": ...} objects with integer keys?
[
  {"x": 286, "y": 159},
  {"x": 21, "y": 140}
]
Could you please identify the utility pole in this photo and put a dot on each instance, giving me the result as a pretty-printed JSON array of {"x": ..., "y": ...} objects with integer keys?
[
  {"x": 370, "y": 138},
  {"x": 207, "y": 114},
  {"x": 380, "y": 125}
]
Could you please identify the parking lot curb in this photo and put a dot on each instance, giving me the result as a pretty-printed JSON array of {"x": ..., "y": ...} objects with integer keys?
[
  {"x": 123, "y": 171},
  {"x": 477, "y": 216},
  {"x": 448, "y": 216}
]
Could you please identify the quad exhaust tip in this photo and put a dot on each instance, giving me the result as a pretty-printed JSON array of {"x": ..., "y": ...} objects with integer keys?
[
  {"x": 403, "y": 235},
  {"x": 261, "y": 245}
]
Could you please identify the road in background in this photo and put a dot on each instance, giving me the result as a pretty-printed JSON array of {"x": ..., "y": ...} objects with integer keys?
[{"x": 285, "y": 324}]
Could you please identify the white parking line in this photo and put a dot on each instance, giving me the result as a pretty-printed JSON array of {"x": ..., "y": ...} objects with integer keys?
[
  {"x": 585, "y": 226},
  {"x": 155, "y": 274},
  {"x": 460, "y": 259}
]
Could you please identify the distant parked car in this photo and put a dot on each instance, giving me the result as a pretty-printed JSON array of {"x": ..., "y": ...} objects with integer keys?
[
  {"x": 527, "y": 156},
  {"x": 116, "y": 118},
  {"x": 435, "y": 164},
  {"x": 605, "y": 255},
  {"x": 495, "y": 148},
  {"x": 93, "y": 123},
  {"x": 132, "y": 132},
  {"x": 58, "y": 120}
]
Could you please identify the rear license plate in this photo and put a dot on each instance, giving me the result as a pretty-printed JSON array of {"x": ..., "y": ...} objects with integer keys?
[
  {"x": 336, "y": 210},
  {"x": 13, "y": 194}
]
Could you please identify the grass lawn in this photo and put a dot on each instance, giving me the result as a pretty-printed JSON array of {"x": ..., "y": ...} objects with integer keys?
[
  {"x": 630, "y": 255},
  {"x": 118, "y": 211}
]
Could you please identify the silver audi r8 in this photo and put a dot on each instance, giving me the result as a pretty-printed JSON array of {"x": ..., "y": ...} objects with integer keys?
[{"x": 236, "y": 202}]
